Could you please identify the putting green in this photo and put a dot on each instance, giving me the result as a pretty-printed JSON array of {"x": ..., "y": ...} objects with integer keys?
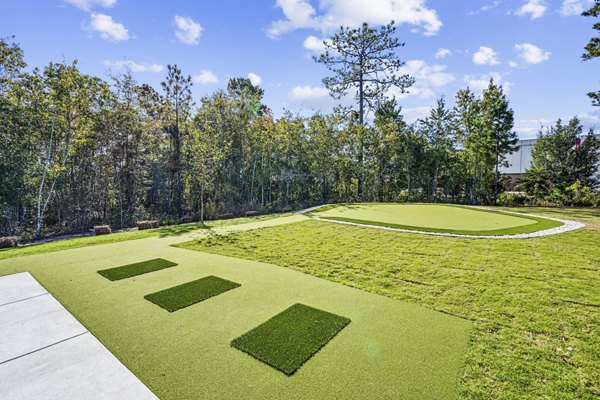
[
  {"x": 436, "y": 218},
  {"x": 391, "y": 350}
]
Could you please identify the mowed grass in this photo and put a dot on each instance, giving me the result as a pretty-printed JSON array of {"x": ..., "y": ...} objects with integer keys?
[
  {"x": 290, "y": 338},
  {"x": 135, "y": 269},
  {"x": 535, "y": 303},
  {"x": 441, "y": 218},
  {"x": 187, "y": 294},
  {"x": 166, "y": 231}
]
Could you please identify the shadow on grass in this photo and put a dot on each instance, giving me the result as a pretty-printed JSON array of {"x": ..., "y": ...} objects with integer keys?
[
  {"x": 178, "y": 230},
  {"x": 213, "y": 240}
]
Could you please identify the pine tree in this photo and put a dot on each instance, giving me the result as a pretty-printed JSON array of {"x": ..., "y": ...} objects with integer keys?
[{"x": 364, "y": 60}]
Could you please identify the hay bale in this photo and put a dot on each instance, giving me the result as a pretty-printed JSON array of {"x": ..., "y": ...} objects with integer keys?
[
  {"x": 9, "y": 241},
  {"x": 252, "y": 213},
  {"x": 102, "y": 230},
  {"x": 147, "y": 225}
]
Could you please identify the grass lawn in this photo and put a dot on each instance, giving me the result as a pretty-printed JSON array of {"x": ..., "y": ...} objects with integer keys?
[
  {"x": 535, "y": 303},
  {"x": 135, "y": 269},
  {"x": 290, "y": 338},
  {"x": 440, "y": 218},
  {"x": 166, "y": 231},
  {"x": 182, "y": 296},
  {"x": 390, "y": 350}
]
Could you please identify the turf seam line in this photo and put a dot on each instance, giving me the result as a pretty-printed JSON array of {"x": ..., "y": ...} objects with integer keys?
[
  {"x": 28, "y": 298},
  {"x": 43, "y": 348}
]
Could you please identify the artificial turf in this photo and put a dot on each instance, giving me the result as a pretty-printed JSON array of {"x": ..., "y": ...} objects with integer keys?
[
  {"x": 187, "y": 354},
  {"x": 181, "y": 296},
  {"x": 440, "y": 218},
  {"x": 290, "y": 338},
  {"x": 135, "y": 269}
]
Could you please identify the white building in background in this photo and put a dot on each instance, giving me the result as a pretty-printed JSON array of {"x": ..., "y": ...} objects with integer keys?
[{"x": 520, "y": 161}]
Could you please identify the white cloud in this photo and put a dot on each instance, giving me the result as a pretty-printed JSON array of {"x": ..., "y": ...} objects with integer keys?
[
  {"x": 299, "y": 14},
  {"x": 188, "y": 30},
  {"x": 531, "y": 54},
  {"x": 314, "y": 44},
  {"x": 574, "y": 7},
  {"x": 442, "y": 53},
  {"x": 485, "y": 7},
  {"x": 314, "y": 98},
  {"x": 107, "y": 28},
  {"x": 428, "y": 78},
  {"x": 301, "y": 94},
  {"x": 205, "y": 77},
  {"x": 335, "y": 13},
  {"x": 413, "y": 114},
  {"x": 479, "y": 83},
  {"x": 87, "y": 5},
  {"x": 591, "y": 120},
  {"x": 133, "y": 66},
  {"x": 513, "y": 64},
  {"x": 529, "y": 128},
  {"x": 485, "y": 56},
  {"x": 534, "y": 8},
  {"x": 254, "y": 78}
]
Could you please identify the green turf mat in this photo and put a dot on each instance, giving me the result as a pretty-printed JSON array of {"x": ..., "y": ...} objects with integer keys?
[
  {"x": 193, "y": 292},
  {"x": 130, "y": 270},
  {"x": 290, "y": 338}
]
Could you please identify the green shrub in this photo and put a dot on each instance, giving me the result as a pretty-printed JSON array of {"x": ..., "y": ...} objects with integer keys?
[
  {"x": 513, "y": 199},
  {"x": 575, "y": 195},
  {"x": 416, "y": 196}
]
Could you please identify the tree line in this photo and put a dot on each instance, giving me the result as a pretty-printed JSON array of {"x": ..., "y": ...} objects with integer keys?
[{"x": 77, "y": 150}]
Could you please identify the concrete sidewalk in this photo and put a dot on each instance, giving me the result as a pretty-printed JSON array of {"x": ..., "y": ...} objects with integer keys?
[{"x": 45, "y": 353}]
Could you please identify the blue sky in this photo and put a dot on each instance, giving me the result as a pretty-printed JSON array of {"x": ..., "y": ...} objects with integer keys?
[{"x": 532, "y": 47}]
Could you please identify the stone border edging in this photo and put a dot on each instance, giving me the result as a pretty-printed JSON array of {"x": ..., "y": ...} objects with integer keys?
[{"x": 567, "y": 226}]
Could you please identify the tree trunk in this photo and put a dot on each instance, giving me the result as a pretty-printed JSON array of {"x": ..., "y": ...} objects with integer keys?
[
  {"x": 262, "y": 185},
  {"x": 252, "y": 183},
  {"x": 202, "y": 201},
  {"x": 434, "y": 185},
  {"x": 497, "y": 177},
  {"x": 40, "y": 210},
  {"x": 361, "y": 111}
]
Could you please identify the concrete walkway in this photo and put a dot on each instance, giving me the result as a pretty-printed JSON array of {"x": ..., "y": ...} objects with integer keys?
[{"x": 45, "y": 353}]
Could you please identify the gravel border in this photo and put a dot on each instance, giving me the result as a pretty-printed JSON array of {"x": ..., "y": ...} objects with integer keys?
[{"x": 567, "y": 226}]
